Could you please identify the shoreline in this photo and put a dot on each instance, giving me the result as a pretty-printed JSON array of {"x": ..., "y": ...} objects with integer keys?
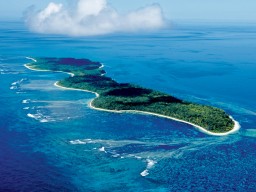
[
  {"x": 26, "y": 65},
  {"x": 201, "y": 129}
]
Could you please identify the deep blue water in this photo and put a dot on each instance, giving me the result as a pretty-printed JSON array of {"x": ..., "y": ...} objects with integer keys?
[{"x": 51, "y": 141}]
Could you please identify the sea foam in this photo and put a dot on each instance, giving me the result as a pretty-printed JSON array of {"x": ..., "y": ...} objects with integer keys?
[
  {"x": 16, "y": 84},
  {"x": 150, "y": 164},
  {"x": 102, "y": 149},
  {"x": 39, "y": 117},
  {"x": 26, "y": 101},
  {"x": 77, "y": 142}
]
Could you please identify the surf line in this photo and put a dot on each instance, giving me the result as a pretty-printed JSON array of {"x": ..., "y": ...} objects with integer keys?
[
  {"x": 33, "y": 69},
  {"x": 203, "y": 130}
]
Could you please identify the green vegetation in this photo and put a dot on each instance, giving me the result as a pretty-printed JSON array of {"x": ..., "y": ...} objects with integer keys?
[{"x": 117, "y": 96}]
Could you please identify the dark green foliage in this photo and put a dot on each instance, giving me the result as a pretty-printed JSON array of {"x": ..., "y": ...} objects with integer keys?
[
  {"x": 116, "y": 96},
  {"x": 129, "y": 92}
]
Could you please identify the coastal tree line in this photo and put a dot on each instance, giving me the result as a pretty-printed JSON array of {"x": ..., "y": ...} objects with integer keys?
[{"x": 124, "y": 96}]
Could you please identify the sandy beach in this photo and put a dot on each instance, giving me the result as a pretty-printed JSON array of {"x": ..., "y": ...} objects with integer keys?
[
  {"x": 235, "y": 128},
  {"x": 26, "y": 65}
]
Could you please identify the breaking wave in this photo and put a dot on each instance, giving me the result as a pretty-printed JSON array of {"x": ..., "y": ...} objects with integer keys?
[
  {"x": 54, "y": 111},
  {"x": 150, "y": 152}
]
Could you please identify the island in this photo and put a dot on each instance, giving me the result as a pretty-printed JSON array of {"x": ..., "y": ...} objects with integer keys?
[{"x": 112, "y": 96}]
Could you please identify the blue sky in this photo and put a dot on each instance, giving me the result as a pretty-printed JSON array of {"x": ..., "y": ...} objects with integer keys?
[{"x": 212, "y": 10}]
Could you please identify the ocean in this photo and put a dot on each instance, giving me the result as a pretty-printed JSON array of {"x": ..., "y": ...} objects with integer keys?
[{"x": 52, "y": 141}]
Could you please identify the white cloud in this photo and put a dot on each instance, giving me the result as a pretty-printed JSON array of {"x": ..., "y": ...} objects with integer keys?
[{"x": 93, "y": 17}]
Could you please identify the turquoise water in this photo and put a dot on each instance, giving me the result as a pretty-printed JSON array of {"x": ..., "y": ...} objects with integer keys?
[{"x": 51, "y": 140}]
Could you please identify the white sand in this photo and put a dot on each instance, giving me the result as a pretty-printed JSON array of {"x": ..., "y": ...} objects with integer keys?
[
  {"x": 235, "y": 128},
  {"x": 28, "y": 67}
]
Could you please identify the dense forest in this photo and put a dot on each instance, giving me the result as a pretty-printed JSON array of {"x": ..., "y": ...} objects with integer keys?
[{"x": 89, "y": 75}]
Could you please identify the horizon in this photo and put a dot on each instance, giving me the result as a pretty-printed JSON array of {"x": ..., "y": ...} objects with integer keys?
[
  {"x": 173, "y": 10},
  {"x": 102, "y": 17}
]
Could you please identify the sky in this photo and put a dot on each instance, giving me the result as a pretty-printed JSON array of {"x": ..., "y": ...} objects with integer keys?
[
  {"x": 93, "y": 17},
  {"x": 174, "y": 10}
]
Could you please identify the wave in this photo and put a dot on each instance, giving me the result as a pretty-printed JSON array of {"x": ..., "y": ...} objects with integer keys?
[
  {"x": 102, "y": 149},
  {"x": 13, "y": 87},
  {"x": 151, "y": 152},
  {"x": 17, "y": 84},
  {"x": 30, "y": 58},
  {"x": 111, "y": 147},
  {"x": 19, "y": 81},
  {"x": 30, "y": 115},
  {"x": 112, "y": 143},
  {"x": 150, "y": 165},
  {"x": 25, "y": 101},
  {"x": 9, "y": 67},
  {"x": 54, "y": 111},
  {"x": 78, "y": 142},
  {"x": 38, "y": 117},
  {"x": 42, "y": 85},
  {"x": 6, "y": 71}
]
